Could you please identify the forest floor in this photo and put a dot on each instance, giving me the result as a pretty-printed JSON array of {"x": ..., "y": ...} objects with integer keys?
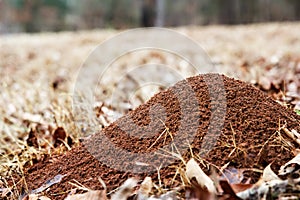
[{"x": 38, "y": 73}]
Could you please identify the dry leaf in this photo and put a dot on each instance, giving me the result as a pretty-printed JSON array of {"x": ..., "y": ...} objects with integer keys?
[
  {"x": 265, "y": 82},
  {"x": 295, "y": 133},
  {"x": 32, "y": 197},
  {"x": 193, "y": 170},
  {"x": 292, "y": 134},
  {"x": 198, "y": 192},
  {"x": 240, "y": 187},
  {"x": 171, "y": 195},
  {"x": 44, "y": 198},
  {"x": 233, "y": 175},
  {"x": 59, "y": 135},
  {"x": 32, "y": 118},
  {"x": 290, "y": 166},
  {"x": 90, "y": 195},
  {"x": 269, "y": 175},
  {"x": 262, "y": 188},
  {"x": 228, "y": 191},
  {"x": 125, "y": 190},
  {"x": 4, "y": 191},
  {"x": 35, "y": 197},
  {"x": 145, "y": 189}
]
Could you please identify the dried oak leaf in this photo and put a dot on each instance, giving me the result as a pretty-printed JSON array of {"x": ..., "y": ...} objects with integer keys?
[{"x": 58, "y": 136}]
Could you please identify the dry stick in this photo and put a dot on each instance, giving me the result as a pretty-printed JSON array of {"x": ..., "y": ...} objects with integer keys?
[
  {"x": 282, "y": 139},
  {"x": 265, "y": 143},
  {"x": 158, "y": 174},
  {"x": 291, "y": 135},
  {"x": 15, "y": 185},
  {"x": 174, "y": 155},
  {"x": 269, "y": 139},
  {"x": 157, "y": 139},
  {"x": 79, "y": 185},
  {"x": 22, "y": 172},
  {"x": 236, "y": 147},
  {"x": 102, "y": 183},
  {"x": 175, "y": 175},
  {"x": 166, "y": 130},
  {"x": 65, "y": 143},
  {"x": 233, "y": 140}
]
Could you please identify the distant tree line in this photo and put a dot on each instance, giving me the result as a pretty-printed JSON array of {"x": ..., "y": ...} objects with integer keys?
[{"x": 57, "y": 15}]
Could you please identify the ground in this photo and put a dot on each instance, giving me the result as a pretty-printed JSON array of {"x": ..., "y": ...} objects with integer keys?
[{"x": 38, "y": 73}]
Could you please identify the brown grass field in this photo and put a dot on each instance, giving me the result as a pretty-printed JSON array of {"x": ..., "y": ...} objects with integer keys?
[{"x": 38, "y": 72}]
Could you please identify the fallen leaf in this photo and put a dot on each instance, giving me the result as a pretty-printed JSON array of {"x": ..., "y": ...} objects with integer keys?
[
  {"x": 171, "y": 195},
  {"x": 4, "y": 191},
  {"x": 262, "y": 188},
  {"x": 295, "y": 133},
  {"x": 228, "y": 191},
  {"x": 145, "y": 189},
  {"x": 265, "y": 83},
  {"x": 34, "y": 197},
  {"x": 197, "y": 192},
  {"x": 240, "y": 187},
  {"x": 44, "y": 198},
  {"x": 269, "y": 175},
  {"x": 291, "y": 166},
  {"x": 233, "y": 175},
  {"x": 32, "y": 118},
  {"x": 194, "y": 171},
  {"x": 59, "y": 135},
  {"x": 90, "y": 195},
  {"x": 125, "y": 190},
  {"x": 292, "y": 134}
]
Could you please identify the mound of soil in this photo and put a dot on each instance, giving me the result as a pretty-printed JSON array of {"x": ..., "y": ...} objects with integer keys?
[{"x": 217, "y": 118}]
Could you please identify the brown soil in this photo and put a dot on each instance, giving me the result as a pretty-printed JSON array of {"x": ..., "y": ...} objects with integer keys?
[{"x": 249, "y": 136}]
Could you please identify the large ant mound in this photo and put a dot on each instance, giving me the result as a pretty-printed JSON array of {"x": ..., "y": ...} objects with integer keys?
[{"x": 211, "y": 117}]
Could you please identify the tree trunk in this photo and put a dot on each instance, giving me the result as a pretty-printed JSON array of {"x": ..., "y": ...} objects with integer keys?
[{"x": 160, "y": 13}]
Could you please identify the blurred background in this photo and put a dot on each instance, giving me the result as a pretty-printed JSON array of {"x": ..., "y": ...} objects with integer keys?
[{"x": 60, "y": 15}]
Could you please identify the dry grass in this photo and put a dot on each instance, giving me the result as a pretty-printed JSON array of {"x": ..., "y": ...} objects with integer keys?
[{"x": 38, "y": 72}]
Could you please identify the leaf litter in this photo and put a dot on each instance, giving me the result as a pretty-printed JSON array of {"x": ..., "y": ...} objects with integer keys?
[
  {"x": 240, "y": 95},
  {"x": 201, "y": 187},
  {"x": 274, "y": 70}
]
